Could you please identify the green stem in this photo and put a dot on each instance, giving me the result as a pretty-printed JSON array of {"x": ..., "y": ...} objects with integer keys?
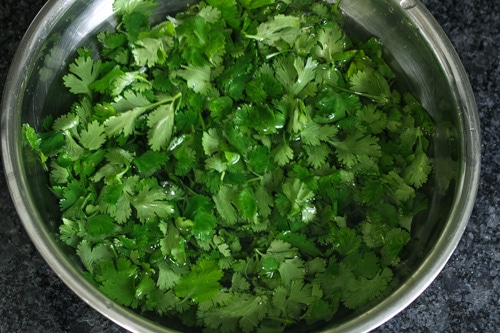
[
  {"x": 163, "y": 101},
  {"x": 373, "y": 97}
]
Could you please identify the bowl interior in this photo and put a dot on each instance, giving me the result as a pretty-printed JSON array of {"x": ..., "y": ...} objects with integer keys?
[{"x": 416, "y": 49}]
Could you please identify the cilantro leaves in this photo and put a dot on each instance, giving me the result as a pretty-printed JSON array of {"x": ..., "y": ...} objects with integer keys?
[{"x": 240, "y": 166}]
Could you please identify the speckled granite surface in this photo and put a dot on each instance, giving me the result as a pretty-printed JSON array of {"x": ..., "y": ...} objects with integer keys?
[{"x": 464, "y": 298}]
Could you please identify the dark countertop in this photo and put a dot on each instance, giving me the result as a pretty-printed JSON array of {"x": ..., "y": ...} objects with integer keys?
[{"x": 465, "y": 297}]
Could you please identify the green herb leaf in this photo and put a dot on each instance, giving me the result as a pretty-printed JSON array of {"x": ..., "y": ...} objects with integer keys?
[
  {"x": 161, "y": 124},
  {"x": 83, "y": 72},
  {"x": 93, "y": 137},
  {"x": 201, "y": 284}
]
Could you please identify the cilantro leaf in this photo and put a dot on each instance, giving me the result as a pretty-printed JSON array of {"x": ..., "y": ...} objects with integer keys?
[
  {"x": 100, "y": 225},
  {"x": 279, "y": 250},
  {"x": 264, "y": 202},
  {"x": 118, "y": 165},
  {"x": 65, "y": 122},
  {"x": 150, "y": 51},
  {"x": 375, "y": 121},
  {"x": 317, "y": 155},
  {"x": 253, "y": 4},
  {"x": 345, "y": 241},
  {"x": 301, "y": 242},
  {"x": 224, "y": 205},
  {"x": 291, "y": 269},
  {"x": 150, "y": 162},
  {"x": 329, "y": 42},
  {"x": 245, "y": 312},
  {"x": 135, "y": 24},
  {"x": 93, "y": 137},
  {"x": 125, "y": 122},
  {"x": 150, "y": 202},
  {"x": 298, "y": 193},
  {"x": 313, "y": 133},
  {"x": 333, "y": 106},
  {"x": 186, "y": 157},
  {"x": 395, "y": 240},
  {"x": 30, "y": 137},
  {"x": 118, "y": 281},
  {"x": 370, "y": 83},
  {"x": 397, "y": 185},
  {"x": 197, "y": 78},
  {"x": 129, "y": 101},
  {"x": 59, "y": 175},
  {"x": 201, "y": 284},
  {"x": 359, "y": 291},
  {"x": 161, "y": 125},
  {"x": 204, "y": 226},
  {"x": 293, "y": 74},
  {"x": 210, "y": 14},
  {"x": 247, "y": 204},
  {"x": 356, "y": 144},
  {"x": 120, "y": 81},
  {"x": 282, "y": 154},
  {"x": 167, "y": 277},
  {"x": 279, "y": 27},
  {"x": 173, "y": 244},
  {"x": 418, "y": 170},
  {"x": 83, "y": 72},
  {"x": 91, "y": 256},
  {"x": 229, "y": 10},
  {"x": 146, "y": 7},
  {"x": 210, "y": 142}
]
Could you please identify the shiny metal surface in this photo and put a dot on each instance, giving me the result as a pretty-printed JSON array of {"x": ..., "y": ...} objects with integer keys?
[{"x": 417, "y": 48}]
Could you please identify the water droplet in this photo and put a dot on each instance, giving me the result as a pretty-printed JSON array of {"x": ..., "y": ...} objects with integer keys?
[{"x": 407, "y": 4}]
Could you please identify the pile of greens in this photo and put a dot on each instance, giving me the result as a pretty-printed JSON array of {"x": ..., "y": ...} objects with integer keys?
[{"x": 242, "y": 166}]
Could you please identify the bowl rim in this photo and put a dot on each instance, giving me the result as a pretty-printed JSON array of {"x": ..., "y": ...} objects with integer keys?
[{"x": 399, "y": 299}]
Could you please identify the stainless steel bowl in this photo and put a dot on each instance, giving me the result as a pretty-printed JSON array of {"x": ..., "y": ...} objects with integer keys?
[{"x": 416, "y": 48}]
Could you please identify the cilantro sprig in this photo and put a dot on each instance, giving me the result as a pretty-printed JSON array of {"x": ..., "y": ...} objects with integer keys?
[{"x": 242, "y": 166}]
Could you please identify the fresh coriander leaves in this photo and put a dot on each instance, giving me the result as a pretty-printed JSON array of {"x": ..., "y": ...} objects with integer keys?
[{"x": 244, "y": 166}]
